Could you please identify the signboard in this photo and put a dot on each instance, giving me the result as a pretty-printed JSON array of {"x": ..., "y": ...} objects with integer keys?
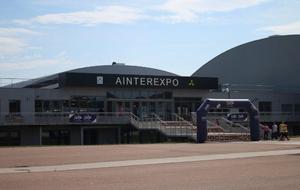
[
  {"x": 133, "y": 81},
  {"x": 82, "y": 118},
  {"x": 237, "y": 116}
]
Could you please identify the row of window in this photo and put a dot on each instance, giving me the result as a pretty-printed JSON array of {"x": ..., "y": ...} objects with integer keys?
[
  {"x": 96, "y": 104},
  {"x": 267, "y": 107},
  {"x": 90, "y": 105},
  {"x": 138, "y": 95}
]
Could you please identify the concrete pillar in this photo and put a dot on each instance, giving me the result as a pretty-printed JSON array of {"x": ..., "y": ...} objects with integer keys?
[{"x": 119, "y": 135}]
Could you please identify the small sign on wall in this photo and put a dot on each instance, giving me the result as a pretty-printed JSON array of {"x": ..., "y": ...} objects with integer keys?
[{"x": 99, "y": 79}]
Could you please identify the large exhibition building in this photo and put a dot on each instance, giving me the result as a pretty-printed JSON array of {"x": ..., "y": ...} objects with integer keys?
[{"x": 120, "y": 103}]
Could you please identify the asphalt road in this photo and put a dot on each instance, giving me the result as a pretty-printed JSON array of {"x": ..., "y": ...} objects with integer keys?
[{"x": 267, "y": 172}]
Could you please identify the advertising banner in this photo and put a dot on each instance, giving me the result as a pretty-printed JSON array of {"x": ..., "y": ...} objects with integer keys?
[{"x": 82, "y": 118}]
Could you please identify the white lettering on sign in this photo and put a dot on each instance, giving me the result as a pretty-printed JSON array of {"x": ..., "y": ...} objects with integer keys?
[
  {"x": 146, "y": 81},
  {"x": 118, "y": 81}
]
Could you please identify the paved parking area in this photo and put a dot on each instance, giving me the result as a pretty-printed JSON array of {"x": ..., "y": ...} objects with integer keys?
[{"x": 277, "y": 167}]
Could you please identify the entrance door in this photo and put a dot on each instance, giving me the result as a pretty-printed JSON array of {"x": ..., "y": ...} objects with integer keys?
[
  {"x": 136, "y": 108},
  {"x": 144, "y": 110},
  {"x": 94, "y": 136},
  {"x": 90, "y": 136}
]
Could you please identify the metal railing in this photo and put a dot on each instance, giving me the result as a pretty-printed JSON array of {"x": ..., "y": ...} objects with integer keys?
[
  {"x": 175, "y": 126},
  {"x": 263, "y": 116},
  {"x": 64, "y": 118},
  {"x": 279, "y": 116}
]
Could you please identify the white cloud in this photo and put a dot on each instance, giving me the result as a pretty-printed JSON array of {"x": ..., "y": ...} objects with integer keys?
[
  {"x": 12, "y": 40},
  {"x": 190, "y": 10},
  {"x": 171, "y": 10},
  {"x": 34, "y": 63},
  {"x": 108, "y": 14},
  {"x": 11, "y": 46},
  {"x": 290, "y": 28},
  {"x": 16, "y": 31}
]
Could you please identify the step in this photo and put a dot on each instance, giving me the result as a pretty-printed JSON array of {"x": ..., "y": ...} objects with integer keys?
[
  {"x": 215, "y": 129},
  {"x": 221, "y": 137}
]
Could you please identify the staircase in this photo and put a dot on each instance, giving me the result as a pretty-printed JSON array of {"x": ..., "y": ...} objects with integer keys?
[
  {"x": 178, "y": 127},
  {"x": 226, "y": 130}
]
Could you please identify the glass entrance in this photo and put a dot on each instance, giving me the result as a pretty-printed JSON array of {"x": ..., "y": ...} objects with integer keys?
[
  {"x": 141, "y": 103},
  {"x": 142, "y": 109},
  {"x": 185, "y": 105}
]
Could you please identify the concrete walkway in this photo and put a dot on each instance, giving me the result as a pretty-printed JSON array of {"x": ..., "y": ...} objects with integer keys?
[{"x": 112, "y": 164}]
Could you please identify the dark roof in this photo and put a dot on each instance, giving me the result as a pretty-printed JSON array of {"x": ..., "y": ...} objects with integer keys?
[
  {"x": 52, "y": 80},
  {"x": 271, "y": 61},
  {"x": 123, "y": 70}
]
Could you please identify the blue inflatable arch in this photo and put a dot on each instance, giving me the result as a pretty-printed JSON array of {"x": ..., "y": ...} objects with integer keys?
[{"x": 227, "y": 103}]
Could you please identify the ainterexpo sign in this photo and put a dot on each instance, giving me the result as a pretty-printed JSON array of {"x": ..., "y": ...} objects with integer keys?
[{"x": 133, "y": 81}]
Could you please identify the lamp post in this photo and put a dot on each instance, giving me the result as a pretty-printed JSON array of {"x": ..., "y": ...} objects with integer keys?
[{"x": 227, "y": 90}]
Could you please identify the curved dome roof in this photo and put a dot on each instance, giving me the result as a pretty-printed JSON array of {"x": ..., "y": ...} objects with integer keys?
[
  {"x": 271, "y": 61},
  {"x": 51, "y": 81},
  {"x": 122, "y": 70}
]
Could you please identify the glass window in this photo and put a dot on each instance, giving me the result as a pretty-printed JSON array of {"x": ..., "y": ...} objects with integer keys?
[
  {"x": 14, "y": 134},
  {"x": 265, "y": 106},
  {"x": 38, "y": 106},
  {"x": 4, "y": 134},
  {"x": 297, "y": 108},
  {"x": 66, "y": 105},
  {"x": 168, "y": 95},
  {"x": 141, "y": 94},
  {"x": 287, "y": 108},
  {"x": 157, "y": 95},
  {"x": 87, "y": 104},
  {"x": 46, "y": 106},
  {"x": 9, "y": 138},
  {"x": 127, "y": 106},
  {"x": 56, "y": 106},
  {"x": 51, "y": 105},
  {"x": 56, "y": 137},
  {"x": 110, "y": 95},
  {"x": 136, "y": 108},
  {"x": 14, "y": 106},
  {"x": 152, "y": 107}
]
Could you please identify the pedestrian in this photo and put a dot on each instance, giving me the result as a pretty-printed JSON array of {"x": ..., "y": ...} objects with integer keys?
[
  {"x": 274, "y": 131},
  {"x": 266, "y": 130},
  {"x": 283, "y": 131}
]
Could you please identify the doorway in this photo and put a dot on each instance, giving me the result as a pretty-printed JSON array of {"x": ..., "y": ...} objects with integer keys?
[{"x": 94, "y": 136}]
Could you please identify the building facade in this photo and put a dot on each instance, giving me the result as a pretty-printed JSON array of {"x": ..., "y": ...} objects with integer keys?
[
  {"x": 123, "y": 104},
  {"x": 83, "y": 107}
]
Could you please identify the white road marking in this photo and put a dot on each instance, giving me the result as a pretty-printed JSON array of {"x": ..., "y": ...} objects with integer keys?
[{"x": 124, "y": 163}]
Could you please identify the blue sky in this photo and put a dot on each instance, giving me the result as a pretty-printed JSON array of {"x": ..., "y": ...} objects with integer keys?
[{"x": 43, "y": 37}]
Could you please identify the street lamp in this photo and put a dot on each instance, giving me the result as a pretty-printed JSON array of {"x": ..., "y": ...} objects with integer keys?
[{"x": 226, "y": 89}]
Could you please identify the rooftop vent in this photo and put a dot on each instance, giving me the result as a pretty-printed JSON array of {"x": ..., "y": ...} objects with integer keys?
[
  {"x": 273, "y": 36},
  {"x": 115, "y": 63}
]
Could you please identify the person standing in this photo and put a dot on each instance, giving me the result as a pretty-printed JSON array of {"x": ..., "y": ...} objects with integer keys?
[
  {"x": 274, "y": 131},
  {"x": 266, "y": 131},
  {"x": 283, "y": 131}
]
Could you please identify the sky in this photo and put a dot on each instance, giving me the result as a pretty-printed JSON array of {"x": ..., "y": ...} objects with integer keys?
[{"x": 43, "y": 37}]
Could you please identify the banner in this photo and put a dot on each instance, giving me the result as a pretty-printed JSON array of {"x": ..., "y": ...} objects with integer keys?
[
  {"x": 237, "y": 116},
  {"x": 82, "y": 118}
]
